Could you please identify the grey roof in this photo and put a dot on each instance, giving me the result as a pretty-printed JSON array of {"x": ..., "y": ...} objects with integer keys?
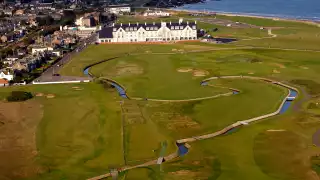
[
  {"x": 158, "y": 25},
  {"x": 106, "y": 32}
]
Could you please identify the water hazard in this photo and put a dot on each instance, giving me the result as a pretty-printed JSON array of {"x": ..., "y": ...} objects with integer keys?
[
  {"x": 182, "y": 149},
  {"x": 120, "y": 90},
  {"x": 288, "y": 102}
]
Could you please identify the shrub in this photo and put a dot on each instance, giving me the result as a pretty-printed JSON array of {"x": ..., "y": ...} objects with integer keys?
[{"x": 19, "y": 96}]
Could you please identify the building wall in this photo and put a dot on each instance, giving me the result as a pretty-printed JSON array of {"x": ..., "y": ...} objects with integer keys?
[
  {"x": 160, "y": 34},
  {"x": 117, "y": 10},
  {"x": 4, "y": 76}
]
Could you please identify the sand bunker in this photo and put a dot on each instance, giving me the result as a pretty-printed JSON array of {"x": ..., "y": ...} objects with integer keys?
[
  {"x": 185, "y": 69},
  {"x": 276, "y": 71},
  {"x": 276, "y": 130},
  {"x": 76, "y": 88},
  {"x": 195, "y": 72},
  {"x": 303, "y": 67},
  {"x": 200, "y": 73},
  {"x": 128, "y": 69},
  {"x": 39, "y": 94},
  {"x": 278, "y": 65},
  {"x": 51, "y": 96},
  {"x": 250, "y": 72}
]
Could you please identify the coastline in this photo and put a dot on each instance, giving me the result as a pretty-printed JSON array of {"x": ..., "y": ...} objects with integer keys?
[{"x": 275, "y": 18}]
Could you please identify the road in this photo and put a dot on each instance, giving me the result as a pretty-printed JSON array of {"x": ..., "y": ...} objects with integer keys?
[{"x": 47, "y": 76}]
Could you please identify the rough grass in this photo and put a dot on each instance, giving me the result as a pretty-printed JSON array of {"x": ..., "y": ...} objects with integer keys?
[
  {"x": 271, "y": 152},
  {"x": 80, "y": 132}
]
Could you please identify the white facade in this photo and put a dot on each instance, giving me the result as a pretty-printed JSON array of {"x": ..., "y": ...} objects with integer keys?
[
  {"x": 36, "y": 50},
  {"x": 148, "y": 32},
  {"x": 6, "y": 75},
  {"x": 156, "y": 13},
  {"x": 118, "y": 9},
  {"x": 79, "y": 21}
]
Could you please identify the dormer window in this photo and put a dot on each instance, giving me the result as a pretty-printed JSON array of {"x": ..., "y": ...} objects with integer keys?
[
  {"x": 172, "y": 27},
  {"x": 131, "y": 29},
  {"x": 155, "y": 28},
  {"x": 176, "y": 27},
  {"x": 127, "y": 29},
  {"x": 193, "y": 27},
  {"x": 147, "y": 28},
  {"x": 114, "y": 29},
  {"x": 181, "y": 27},
  {"x": 135, "y": 28}
]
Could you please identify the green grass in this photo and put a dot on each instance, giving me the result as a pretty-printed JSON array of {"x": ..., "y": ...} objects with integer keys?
[
  {"x": 80, "y": 132},
  {"x": 80, "y": 135},
  {"x": 271, "y": 150}
]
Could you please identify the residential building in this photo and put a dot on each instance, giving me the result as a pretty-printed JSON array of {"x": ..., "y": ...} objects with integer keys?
[
  {"x": 156, "y": 13},
  {"x": 7, "y": 12},
  {"x": 155, "y": 32},
  {"x": 56, "y": 53},
  {"x": 19, "y": 12},
  {"x": 4, "y": 82},
  {"x": 10, "y": 60},
  {"x": 117, "y": 9},
  {"x": 40, "y": 49},
  {"x": 4, "y": 74}
]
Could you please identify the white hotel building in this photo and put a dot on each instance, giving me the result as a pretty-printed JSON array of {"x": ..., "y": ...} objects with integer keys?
[{"x": 155, "y": 32}]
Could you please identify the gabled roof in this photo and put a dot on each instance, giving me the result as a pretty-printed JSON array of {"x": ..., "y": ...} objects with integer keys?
[
  {"x": 3, "y": 81},
  {"x": 106, "y": 32},
  {"x": 158, "y": 25}
]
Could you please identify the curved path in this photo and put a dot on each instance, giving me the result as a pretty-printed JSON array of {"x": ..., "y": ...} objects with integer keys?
[{"x": 182, "y": 143}]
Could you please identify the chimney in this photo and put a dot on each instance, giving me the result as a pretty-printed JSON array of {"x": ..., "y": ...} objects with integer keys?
[
  {"x": 187, "y": 22},
  {"x": 112, "y": 24},
  {"x": 137, "y": 24},
  {"x": 170, "y": 22},
  {"x": 145, "y": 23},
  {"x": 180, "y": 20},
  {"x": 120, "y": 24},
  {"x": 154, "y": 23},
  {"x": 129, "y": 24},
  {"x": 195, "y": 22}
]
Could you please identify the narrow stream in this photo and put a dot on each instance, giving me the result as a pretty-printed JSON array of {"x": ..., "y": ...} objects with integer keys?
[{"x": 182, "y": 149}]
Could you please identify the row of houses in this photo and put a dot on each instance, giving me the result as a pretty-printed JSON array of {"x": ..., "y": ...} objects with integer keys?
[{"x": 148, "y": 32}]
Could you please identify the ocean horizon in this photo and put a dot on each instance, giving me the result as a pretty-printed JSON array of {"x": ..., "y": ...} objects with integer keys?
[{"x": 292, "y": 9}]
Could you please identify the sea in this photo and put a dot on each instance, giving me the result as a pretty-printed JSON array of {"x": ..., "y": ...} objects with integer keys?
[{"x": 293, "y": 9}]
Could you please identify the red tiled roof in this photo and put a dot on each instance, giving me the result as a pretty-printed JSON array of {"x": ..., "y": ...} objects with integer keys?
[{"x": 3, "y": 81}]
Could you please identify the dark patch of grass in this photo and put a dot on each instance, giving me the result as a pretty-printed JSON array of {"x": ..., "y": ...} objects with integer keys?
[
  {"x": 315, "y": 163},
  {"x": 312, "y": 87}
]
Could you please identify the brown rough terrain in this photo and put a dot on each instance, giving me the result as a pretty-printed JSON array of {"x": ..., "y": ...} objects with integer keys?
[{"x": 18, "y": 139}]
